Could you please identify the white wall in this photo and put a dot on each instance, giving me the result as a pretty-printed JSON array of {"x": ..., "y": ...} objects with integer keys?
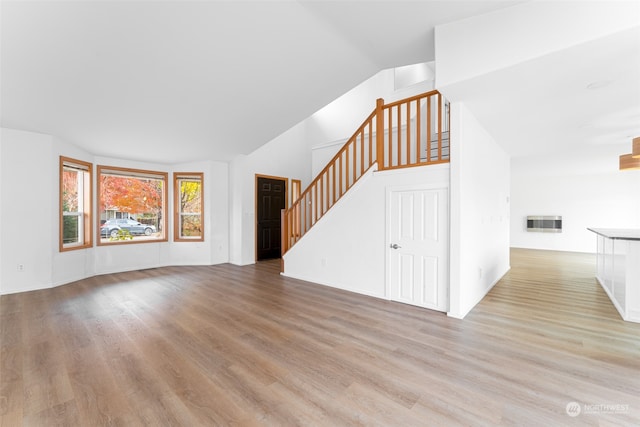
[
  {"x": 480, "y": 191},
  {"x": 286, "y": 156},
  {"x": 29, "y": 232},
  {"x": 585, "y": 188},
  {"x": 346, "y": 249},
  {"x": 289, "y": 155},
  {"x": 2, "y": 132},
  {"x": 27, "y": 208}
]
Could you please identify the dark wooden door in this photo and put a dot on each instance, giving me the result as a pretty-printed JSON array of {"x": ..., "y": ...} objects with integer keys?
[{"x": 271, "y": 199}]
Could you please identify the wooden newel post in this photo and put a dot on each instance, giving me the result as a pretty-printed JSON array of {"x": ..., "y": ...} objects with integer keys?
[
  {"x": 284, "y": 232},
  {"x": 380, "y": 133}
]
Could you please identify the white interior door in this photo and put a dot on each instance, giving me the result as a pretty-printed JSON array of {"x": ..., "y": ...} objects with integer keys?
[{"x": 418, "y": 247}]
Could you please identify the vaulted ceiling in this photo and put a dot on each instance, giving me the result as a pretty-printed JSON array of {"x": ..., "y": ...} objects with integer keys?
[{"x": 177, "y": 81}]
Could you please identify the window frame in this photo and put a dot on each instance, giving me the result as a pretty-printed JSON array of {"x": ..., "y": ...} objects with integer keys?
[
  {"x": 132, "y": 173},
  {"x": 84, "y": 215},
  {"x": 177, "y": 177}
]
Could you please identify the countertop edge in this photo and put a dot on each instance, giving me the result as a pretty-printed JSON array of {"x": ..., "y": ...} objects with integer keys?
[{"x": 617, "y": 234}]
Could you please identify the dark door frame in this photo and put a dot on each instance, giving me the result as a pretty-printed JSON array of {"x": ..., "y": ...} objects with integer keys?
[{"x": 255, "y": 195}]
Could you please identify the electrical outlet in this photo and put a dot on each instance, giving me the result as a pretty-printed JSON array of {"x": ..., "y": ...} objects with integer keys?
[{"x": 20, "y": 267}]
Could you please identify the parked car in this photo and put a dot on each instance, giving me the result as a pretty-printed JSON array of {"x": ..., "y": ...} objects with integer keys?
[{"x": 111, "y": 227}]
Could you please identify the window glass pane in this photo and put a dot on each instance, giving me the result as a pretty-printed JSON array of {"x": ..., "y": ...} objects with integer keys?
[
  {"x": 188, "y": 206},
  {"x": 190, "y": 226},
  {"x": 190, "y": 196},
  {"x": 70, "y": 190},
  {"x": 70, "y": 203},
  {"x": 131, "y": 206},
  {"x": 71, "y": 229},
  {"x": 75, "y": 204}
]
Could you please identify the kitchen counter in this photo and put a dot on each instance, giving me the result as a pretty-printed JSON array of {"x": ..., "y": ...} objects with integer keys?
[
  {"x": 618, "y": 269},
  {"x": 618, "y": 233}
]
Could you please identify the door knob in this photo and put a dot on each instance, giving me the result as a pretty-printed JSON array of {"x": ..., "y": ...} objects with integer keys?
[{"x": 395, "y": 246}]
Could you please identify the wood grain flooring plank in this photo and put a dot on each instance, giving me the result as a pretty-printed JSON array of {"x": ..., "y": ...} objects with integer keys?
[
  {"x": 62, "y": 414},
  {"x": 46, "y": 382},
  {"x": 98, "y": 397},
  {"x": 11, "y": 383},
  {"x": 246, "y": 346}
]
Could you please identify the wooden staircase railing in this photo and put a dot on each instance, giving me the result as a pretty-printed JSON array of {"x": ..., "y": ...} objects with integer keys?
[{"x": 407, "y": 133}]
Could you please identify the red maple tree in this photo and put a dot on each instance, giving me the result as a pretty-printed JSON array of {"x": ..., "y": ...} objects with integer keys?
[{"x": 132, "y": 195}]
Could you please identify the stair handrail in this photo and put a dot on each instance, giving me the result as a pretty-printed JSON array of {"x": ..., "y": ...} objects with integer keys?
[
  {"x": 391, "y": 148},
  {"x": 326, "y": 187}
]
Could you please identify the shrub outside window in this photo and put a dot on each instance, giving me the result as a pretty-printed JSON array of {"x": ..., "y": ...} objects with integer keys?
[
  {"x": 75, "y": 204},
  {"x": 188, "y": 222},
  {"x": 132, "y": 205}
]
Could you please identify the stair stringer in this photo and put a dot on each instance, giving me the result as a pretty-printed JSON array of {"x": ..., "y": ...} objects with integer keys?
[{"x": 346, "y": 248}]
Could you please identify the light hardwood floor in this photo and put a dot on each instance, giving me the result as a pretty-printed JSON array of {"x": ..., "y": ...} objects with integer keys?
[{"x": 226, "y": 345}]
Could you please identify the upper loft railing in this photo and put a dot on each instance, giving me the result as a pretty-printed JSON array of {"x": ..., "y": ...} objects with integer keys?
[{"x": 407, "y": 133}]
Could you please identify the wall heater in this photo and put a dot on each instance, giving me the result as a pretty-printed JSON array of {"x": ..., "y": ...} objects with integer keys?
[{"x": 544, "y": 223}]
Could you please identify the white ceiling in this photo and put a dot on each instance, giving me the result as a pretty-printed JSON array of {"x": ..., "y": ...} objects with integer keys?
[
  {"x": 175, "y": 81},
  {"x": 582, "y": 98}
]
